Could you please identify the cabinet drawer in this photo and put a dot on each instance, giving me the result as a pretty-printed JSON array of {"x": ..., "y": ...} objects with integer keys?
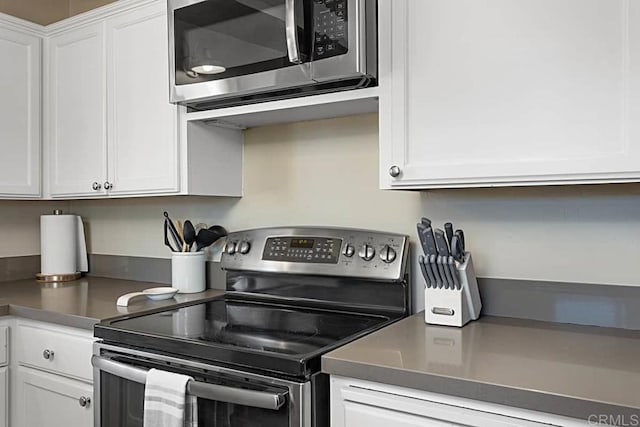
[
  {"x": 55, "y": 351},
  {"x": 4, "y": 344}
]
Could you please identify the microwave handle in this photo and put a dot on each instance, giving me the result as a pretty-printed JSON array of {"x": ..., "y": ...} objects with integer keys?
[
  {"x": 291, "y": 29},
  {"x": 220, "y": 393}
]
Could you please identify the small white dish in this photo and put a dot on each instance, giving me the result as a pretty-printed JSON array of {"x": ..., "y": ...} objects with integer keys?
[
  {"x": 155, "y": 294},
  {"x": 158, "y": 294}
]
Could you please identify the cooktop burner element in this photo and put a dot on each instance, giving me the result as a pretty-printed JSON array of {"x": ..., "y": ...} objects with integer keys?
[{"x": 293, "y": 294}]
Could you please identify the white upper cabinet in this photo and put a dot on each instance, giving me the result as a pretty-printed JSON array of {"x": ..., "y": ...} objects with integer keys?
[
  {"x": 499, "y": 92},
  {"x": 20, "y": 76},
  {"x": 142, "y": 124},
  {"x": 75, "y": 129},
  {"x": 111, "y": 131}
]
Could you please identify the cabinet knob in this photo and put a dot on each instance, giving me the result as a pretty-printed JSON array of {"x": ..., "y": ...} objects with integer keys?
[
  {"x": 96, "y": 186},
  {"x": 108, "y": 185},
  {"x": 48, "y": 354},
  {"x": 84, "y": 401},
  {"x": 394, "y": 171}
]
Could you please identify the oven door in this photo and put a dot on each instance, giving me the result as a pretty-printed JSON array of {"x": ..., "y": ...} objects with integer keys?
[
  {"x": 225, "y": 397},
  {"x": 222, "y": 48}
]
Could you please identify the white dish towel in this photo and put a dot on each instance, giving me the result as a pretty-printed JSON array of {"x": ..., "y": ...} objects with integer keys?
[{"x": 166, "y": 402}]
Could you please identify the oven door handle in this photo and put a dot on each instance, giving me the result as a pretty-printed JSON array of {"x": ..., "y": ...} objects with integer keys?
[
  {"x": 221, "y": 393},
  {"x": 291, "y": 30}
]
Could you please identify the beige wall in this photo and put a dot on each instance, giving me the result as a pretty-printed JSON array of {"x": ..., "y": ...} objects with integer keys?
[
  {"x": 20, "y": 225},
  {"x": 48, "y": 11},
  {"x": 325, "y": 172}
]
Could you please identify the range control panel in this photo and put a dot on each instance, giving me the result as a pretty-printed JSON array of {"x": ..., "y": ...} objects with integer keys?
[
  {"x": 302, "y": 249},
  {"x": 318, "y": 251}
]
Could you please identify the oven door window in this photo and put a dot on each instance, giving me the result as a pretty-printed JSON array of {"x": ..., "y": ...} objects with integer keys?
[
  {"x": 122, "y": 405},
  {"x": 219, "y": 39}
]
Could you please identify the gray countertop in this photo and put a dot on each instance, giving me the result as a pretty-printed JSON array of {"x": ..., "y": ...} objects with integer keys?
[
  {"x": 83, "y": 302},
  {"x": 562, "y": 369}
]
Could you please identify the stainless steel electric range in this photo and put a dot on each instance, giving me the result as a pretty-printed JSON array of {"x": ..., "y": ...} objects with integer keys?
[{"x": 292, "y": 294}]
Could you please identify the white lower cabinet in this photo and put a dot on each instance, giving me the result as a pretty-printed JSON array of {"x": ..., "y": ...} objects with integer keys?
[
  {"x": 51, "y": 379},
  {"x": 356, "y": 403},
  {"x": 4, "y": 394},
  {"x": 48, "y": 400}
]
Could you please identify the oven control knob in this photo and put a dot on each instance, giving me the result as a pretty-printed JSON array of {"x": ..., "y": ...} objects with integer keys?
[
  {"x": 230, "y": 248},
  {"x": 244, "y": 247},
  {"x": 367, "y": 252},
  {"x": 348, "y": 250},
  {"x": 387, "y": 254}
]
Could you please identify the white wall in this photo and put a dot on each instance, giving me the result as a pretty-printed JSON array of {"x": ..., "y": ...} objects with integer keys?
[{"x": 325, "y": 172}]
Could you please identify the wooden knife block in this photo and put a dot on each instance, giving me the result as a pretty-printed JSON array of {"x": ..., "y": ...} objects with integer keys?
[{"x": 454, "y": 307}]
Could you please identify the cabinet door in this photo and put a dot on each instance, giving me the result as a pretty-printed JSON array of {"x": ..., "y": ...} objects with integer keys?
[
  {"x": 47, "y": 400},
  {"x": 20, "y": 76},
  {"x": 4, "y": 396},
  {"x": 143, "y": 131},
  {"x": 509, "y": 93},
  {"x": 76, "y": 112}
]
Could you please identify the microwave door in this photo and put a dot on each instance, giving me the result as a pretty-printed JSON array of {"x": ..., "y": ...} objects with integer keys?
[
  {"x": 225, "y": 48},
  {"x": 344, "y": 44}
]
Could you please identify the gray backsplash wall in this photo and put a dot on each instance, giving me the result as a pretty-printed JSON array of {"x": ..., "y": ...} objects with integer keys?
[{"x": 326, "y": 172}]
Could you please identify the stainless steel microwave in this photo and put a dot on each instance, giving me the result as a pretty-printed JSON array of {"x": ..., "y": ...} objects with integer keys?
[{"x": 231, "y": 52}]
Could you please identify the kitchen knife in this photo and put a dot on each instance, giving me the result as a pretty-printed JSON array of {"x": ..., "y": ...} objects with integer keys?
[
  {"x": 420, "y": 228},
  {"x": 425, "y": 273},
  {"x": 454, "y": 272},
  {"x": 456, "y": 249},
  {"x": 434, "y": 270},
  {"x": 431, "y": 250},
  {"x": 425, "y": 221},
  {"x": 443, "y": 254},
  {"x": 442, "y": 262},
  {"x": 448, "y": 229},
  {"x": 460, "y": 235}
]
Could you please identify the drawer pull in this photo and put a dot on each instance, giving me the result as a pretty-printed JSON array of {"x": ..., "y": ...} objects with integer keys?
[
  {"x": 84, "y": 401},
  {"x": 48, "y": 354}
]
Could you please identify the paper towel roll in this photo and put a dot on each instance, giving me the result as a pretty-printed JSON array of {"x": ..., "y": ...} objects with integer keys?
[{"x": 59, "y": 244}]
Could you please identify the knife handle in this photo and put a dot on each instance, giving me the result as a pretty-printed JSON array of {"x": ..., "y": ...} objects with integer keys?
[
  {"x": 448, "y": 229},
  {"x": 460, "y": 235},
  {"x": 441, "y": 243},
  {"x": 426, "y": 221}
]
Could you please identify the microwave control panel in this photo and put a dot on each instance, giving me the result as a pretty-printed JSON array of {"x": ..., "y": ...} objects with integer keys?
[{"x": 330, "y": 28}]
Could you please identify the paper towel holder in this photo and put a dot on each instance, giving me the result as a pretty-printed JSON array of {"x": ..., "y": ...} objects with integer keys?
[{"x": 81, "y": 258}]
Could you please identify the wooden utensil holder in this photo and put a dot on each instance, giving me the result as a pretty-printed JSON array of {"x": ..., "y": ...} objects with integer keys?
[{"x": 454, "y": 307}]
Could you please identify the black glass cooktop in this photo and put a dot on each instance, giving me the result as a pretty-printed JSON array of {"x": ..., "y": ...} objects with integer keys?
[{"x": 272, "y": 337}]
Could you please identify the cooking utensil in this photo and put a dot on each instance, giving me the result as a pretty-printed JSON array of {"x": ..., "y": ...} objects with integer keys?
[
  {"x": 218, "y": 229},
  {"x": 174, "y": 232},
  {"x": 167, "y": 242},
  {"x": 425, "y": 221},
  {"x": 183, "y": 248},
  {"x": 205, "y": 237},
  {"x": 189, "y": 233}
]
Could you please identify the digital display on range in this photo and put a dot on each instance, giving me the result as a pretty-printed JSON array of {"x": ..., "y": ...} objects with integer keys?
[
  {"x": 321, "y": 250},
  {"x": 301, "y": 243}
]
